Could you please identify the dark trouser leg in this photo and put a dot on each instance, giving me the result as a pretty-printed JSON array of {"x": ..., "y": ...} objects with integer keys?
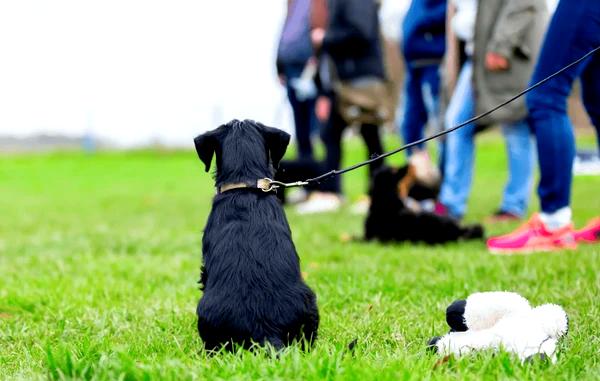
[
  {"x": 303, "y": 133},
  {"x": 590, "y": 92},
  {"x": 370, "y": 134},
  {"x": 574, "y": 30},
  {"x": 303, "y": 112},
  {"x": 332, "y": 139}
]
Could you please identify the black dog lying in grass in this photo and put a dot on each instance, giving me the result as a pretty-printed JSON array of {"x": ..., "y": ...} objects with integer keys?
[
  {"x": 391, "y": 218},
  {"x": 253, "y": 289}
]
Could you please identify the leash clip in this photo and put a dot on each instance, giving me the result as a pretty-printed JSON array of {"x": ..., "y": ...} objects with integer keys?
[{"x": 267, "y": 184}]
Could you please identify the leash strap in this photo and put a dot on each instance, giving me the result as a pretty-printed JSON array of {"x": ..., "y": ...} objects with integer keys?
[{"x": 337, "y": 172}]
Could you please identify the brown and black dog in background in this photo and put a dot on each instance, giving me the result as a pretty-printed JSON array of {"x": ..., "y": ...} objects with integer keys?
[{"x": 396, "y": 215}]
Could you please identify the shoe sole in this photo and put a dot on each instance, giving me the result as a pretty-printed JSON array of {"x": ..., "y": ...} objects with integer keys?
[
  {"x": 531, "y": 250},
  {"x": 588, "y": 241}
]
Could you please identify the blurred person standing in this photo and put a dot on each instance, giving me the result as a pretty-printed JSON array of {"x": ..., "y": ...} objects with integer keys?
[
  {"x": 293, "y": 67},
  {"x": 423, "y": 47},
  {"x": 501, "y": 41},
  {"x": 573, "y": 32},
  {"x": 352, "y": 43}
]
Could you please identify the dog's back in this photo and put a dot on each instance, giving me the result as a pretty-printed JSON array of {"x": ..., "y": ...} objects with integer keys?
[
  {"x": 257, "y": 293},
  {"x": 253, "y": 288}
]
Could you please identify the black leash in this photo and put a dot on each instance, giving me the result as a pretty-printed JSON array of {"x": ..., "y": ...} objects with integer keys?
[{"x": 337, "y": 172}]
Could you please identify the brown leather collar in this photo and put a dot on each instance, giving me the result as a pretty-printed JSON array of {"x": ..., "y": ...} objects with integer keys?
[{"x": 262, "y": 184}]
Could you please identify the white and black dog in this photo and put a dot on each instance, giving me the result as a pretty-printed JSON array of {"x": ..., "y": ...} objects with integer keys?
[{"x": 253, "y": 289}]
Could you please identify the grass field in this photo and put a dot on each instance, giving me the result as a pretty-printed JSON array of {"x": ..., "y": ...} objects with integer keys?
[{"x": 100, "y": 254}]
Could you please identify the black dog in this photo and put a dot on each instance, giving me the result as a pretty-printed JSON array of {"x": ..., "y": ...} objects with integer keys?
[
  {"x": 253, "y": 288},
  {"x": 298, "y": 170},
  {"x": 390, "y": 219}
]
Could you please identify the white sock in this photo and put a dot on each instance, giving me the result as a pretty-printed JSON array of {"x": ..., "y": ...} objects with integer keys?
[{"x": 558, "y": 219}]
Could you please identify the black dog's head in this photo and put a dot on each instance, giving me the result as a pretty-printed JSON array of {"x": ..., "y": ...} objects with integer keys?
[
  {"x": 390, "y": 185},
  {"x": 245, "y": 150},
  {"x": 384, "y": 187}
]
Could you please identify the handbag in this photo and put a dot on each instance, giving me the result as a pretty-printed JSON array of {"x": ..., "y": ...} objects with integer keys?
[{"x": 370, "y": 100}]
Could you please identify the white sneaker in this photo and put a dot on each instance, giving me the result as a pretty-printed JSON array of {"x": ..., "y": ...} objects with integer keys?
[
  {"x": 586, "y": 166},
  {"x": 320, "y": 202},
  {"x": 361, "y": 207},
  {"x": 296, "y": 196}
]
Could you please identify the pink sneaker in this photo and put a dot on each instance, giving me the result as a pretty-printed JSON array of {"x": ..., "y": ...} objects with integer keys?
[
  {"x": 590, "y": 233},
  {"x": 531, "y": 237}
]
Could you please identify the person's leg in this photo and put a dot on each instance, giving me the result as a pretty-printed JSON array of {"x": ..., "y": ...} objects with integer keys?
[
  {"x": 441, "y": 157},
  {"x": 305, "y": 127},
  {"x": 303, "y": 115},
  {"x": 431, "y": 96},
  {"x": 574, "y": 31},
  {"x": 372, "y": 138},
  {"x": 415, "y": 112},
  {"x": 459, "y": 149},
  {"x": 590, "y": 92},
  {"x": 332, "y": 139},
  {"x": 327, "y": 194},
  {"x": 521, "y": 158}
]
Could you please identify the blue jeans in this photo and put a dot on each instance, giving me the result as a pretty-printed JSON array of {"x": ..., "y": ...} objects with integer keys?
[
  {"x": 458, "y": 171},
  {"x": 421, "y": 97},
  {"x": 305, "y": 119},
  {"x": 573, "y": 31}
]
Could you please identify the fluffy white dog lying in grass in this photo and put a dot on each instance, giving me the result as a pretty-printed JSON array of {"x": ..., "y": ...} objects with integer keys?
[{"x": 502, "y": 320}]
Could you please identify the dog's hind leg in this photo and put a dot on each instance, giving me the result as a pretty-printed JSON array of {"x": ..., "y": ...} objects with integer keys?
[{"x": 275, "y": 342}]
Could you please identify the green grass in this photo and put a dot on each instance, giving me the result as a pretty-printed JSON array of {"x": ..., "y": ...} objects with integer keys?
[{"x": 99, "y": 258}]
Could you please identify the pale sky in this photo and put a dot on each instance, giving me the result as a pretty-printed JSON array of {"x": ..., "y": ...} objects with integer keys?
[{"x": 138, "y": 70}]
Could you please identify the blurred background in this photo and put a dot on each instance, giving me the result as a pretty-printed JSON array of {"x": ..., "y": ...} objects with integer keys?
[
  {"x": 131, "y": 73},
  {"x": 134, "y": 73}
]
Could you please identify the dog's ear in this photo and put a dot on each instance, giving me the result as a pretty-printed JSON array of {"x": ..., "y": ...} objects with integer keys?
[
  {"x": 206, "y": 144},
  {"x": 277, "y": 142}
]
